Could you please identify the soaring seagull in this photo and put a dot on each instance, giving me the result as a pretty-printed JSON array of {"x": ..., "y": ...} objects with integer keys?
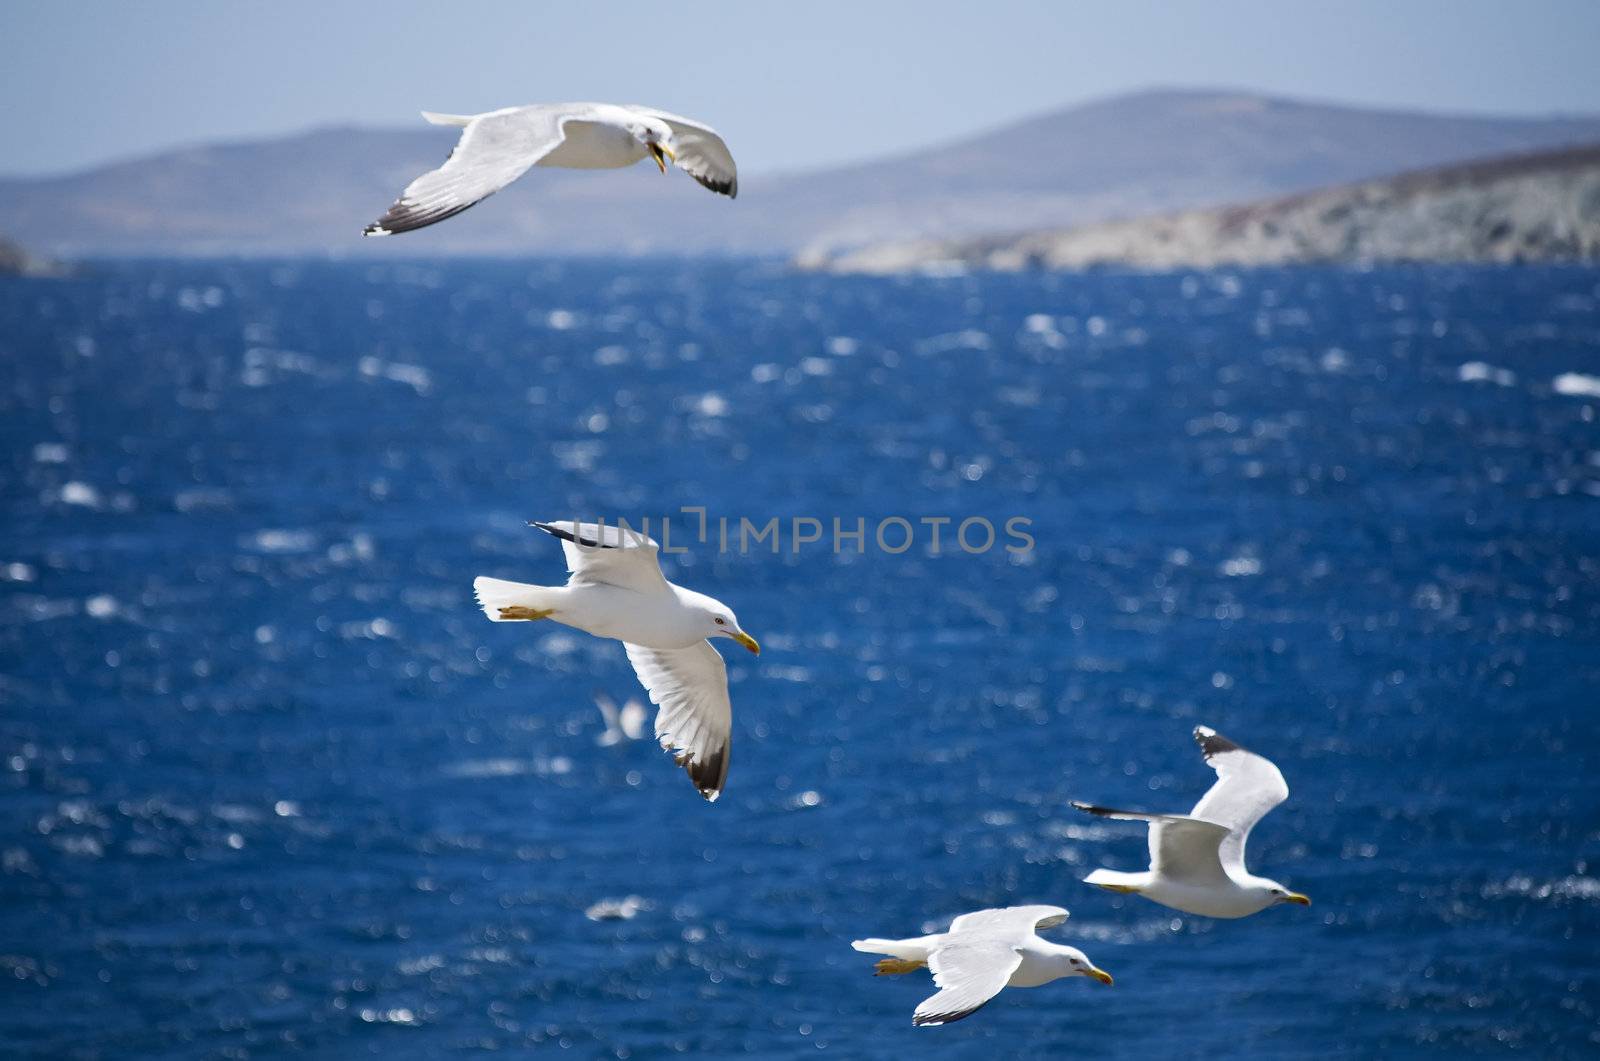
[
  {"x": 498, "y": 147},
  {"x": 1197, "y": 859},
  {"x": 983, "y": 953},
  {"x": 616, "y": 589}
]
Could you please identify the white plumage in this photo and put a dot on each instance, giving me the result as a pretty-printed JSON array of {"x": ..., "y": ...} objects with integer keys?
[
  {"x": 983, "y": 953},
  {"x": 498, "y": 147},
  {"x": 1197, "y": 859},
  {"x": 616, "y": 589}
]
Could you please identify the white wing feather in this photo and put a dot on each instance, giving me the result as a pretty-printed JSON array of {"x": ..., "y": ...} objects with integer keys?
[
  {"x": 1020, "y": 921},
  {"x": 695, "y": 720},
  {"x": 609, "y": 556},
  {"x": 969, "y": 974},
  {"x": 701, "y": 152},
  {"x": 494, "y": 150},
  {"x": 1248, "y": 786}
]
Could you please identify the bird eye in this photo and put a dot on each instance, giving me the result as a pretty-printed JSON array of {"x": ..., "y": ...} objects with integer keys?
[{"x": 719, "y": 622}]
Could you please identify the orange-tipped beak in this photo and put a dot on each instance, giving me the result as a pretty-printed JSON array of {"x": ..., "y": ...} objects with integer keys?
[
  {"x": 1100, "y": 975},
  {"x": 747, "y": 641},
  {"x": 1298, "y": 899}
]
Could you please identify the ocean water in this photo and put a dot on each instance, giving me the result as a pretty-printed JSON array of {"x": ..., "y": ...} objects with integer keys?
[{"x": 270, "y": 785}]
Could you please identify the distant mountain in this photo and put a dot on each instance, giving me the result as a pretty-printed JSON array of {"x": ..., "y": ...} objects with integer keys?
[
  {"x": 1535, "y": 207},
  {"x": 1121, "y": 157}
]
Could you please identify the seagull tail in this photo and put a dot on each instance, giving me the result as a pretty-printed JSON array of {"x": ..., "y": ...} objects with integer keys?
[
  {"x": 905, "y": 955},
  {"x": 496, "y": 594},
  {"x": 898, "y": 948},
  {"x": 433, "y": 118}
]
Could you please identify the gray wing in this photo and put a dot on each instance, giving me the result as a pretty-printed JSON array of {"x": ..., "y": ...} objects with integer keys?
[
  {"x": 695, "y": 720},
  {"x": 609, "y": 556},
  {"x": 1021, "y": 921},
  {"x": 702, "y": 154},
  {"x": 494, "y": 150},
  {"x": 969, "y": 974},
  {"x": 1248, "y": 786},
  {"x": 1182, "y": 848}
]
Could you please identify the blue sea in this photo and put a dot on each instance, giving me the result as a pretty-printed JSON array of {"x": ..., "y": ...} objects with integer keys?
[{"x": 270, "y": 785}]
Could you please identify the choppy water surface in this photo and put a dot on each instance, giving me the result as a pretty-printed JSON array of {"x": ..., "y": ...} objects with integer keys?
[{"x": 270, "y": 784}]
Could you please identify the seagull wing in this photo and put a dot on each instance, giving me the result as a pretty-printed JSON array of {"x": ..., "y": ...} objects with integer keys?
[
  {"x": 969, "y": 973},
  {"x": 1182, "y": 847},
  {"x": 695, "y": 720},
  {"x": 702, "y": 154},
  {"x": 494, "y": 150},
  {"x": 609, "y": 556},
  {"x": 1248, "y": 786},
  {"x": 1021, "y": 921}
]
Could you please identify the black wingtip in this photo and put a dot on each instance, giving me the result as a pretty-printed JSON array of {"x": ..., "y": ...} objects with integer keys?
[
  {"x": 568, "y": 536},
  {"x": 708, "y": 777},
  {"x": 1091, "y": 808},
  {"x": 1213, "y": 743}
]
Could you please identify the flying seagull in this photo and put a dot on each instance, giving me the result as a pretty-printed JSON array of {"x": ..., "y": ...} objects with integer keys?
[
  {"x": 616, "y": 590},
  {"x": 498, "y": 147},
  {"x": 983, "y": 953},
  {"x": 1197, "y": 859}
]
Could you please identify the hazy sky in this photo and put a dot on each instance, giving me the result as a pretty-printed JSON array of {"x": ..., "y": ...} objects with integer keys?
[{"x": 789, "y": 84}]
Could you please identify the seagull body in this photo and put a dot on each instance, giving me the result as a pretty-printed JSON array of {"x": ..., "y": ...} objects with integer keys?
[
  {"x": 983, "y": 953},
  {"x": 616, "y": 590},
  {"x": 498, "y": 147},
  {"x": 1197, "y": 859}
]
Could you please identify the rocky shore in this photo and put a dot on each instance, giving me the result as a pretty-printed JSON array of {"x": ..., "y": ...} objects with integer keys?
[{"x": 1540, "y": 207}]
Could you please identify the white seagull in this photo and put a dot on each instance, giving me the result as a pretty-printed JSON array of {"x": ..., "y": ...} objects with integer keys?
[
  {"x": 1197, "y": 859},
  {"x": 983, "y": 953},
  {"x": 498, "y": 147},
  {"x": 616, "y": 589}
]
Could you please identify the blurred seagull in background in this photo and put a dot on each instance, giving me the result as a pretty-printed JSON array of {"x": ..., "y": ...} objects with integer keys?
[
  {"x": 498, "y": 147},
  {"x": 983, "y": 953},
  {"x": 1197, "y": 859},
  {"x": 616, "y": 589},
  {"x": 624, "y": 723}
]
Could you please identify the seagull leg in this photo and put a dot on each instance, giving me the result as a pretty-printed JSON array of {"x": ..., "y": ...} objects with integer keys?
[
  {"x": 896, "y": 966},
  {"x": 1124, "y": 889},
  {"x": 517, "y": 611}
]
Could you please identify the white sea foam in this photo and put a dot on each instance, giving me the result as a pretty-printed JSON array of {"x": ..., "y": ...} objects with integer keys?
[
  {"x": 624, "y": 909},
  {"x": 81, "y": 494},
  {"x": 1483, "y": 372},
  {"x": 414, "y": 376},
  {"x": 1577, "y": 385},
  {"x": 280, "y": 541}
]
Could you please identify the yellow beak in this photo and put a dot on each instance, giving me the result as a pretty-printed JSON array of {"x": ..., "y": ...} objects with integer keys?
[
  {"x": 747, "y": 641},
  {"x": 1296, "y": 897},
  {"x": 657, "y": 151},
  {"x": 1100, "y": 975}
]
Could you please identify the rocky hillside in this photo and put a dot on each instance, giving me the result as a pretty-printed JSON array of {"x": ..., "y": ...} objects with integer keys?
[
  {"x": 1534, "y": 207},
  {"x": 1126, "y": 156},
  {"x": 14, "y": 261}
]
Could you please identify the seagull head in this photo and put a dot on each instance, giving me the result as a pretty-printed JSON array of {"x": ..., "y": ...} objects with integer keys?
[
  {"x": 1078, "y": 964},
  {"x": 656, "y": 136},
  {"x": 720, "y": 622},
  {"x": 1280, "y": 894}
]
